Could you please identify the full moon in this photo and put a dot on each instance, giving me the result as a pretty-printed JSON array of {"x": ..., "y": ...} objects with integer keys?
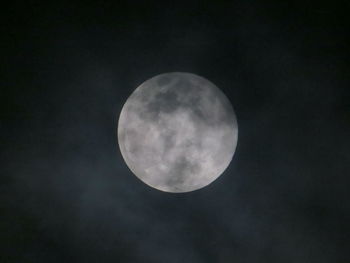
[{"x": 177, "y": 132}]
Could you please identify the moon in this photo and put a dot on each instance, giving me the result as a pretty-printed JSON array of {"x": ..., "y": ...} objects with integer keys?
[{"x": 177, "y": 132}]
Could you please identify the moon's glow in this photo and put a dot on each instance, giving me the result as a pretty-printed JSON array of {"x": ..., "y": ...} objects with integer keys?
[{"x": 177, "y": 132}]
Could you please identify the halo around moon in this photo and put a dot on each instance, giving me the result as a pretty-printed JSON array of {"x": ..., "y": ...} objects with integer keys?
[{"x": 177, "y": 132}]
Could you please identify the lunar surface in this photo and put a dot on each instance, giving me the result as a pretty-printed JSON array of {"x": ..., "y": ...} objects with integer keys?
[{"x": 177, "y": 132}]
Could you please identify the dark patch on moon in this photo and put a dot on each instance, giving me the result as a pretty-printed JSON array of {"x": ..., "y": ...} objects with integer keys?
[{"x": 180, "y": 170}]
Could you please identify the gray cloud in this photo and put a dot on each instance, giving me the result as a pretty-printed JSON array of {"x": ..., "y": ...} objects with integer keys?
[{"x": 66, "y": 194}]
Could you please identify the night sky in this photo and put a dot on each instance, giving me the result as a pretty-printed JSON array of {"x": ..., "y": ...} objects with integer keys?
[{"x": 66, "y": 195}]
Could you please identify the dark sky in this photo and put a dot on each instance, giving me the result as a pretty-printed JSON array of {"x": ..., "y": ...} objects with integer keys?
[{"x": 66, "y": 194}]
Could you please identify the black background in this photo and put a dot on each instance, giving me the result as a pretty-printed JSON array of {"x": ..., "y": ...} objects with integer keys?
[{"x": 66, "y": 193}]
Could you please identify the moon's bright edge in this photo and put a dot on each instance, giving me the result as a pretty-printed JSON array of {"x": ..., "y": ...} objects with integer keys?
[{"x": 177, "y": 132}]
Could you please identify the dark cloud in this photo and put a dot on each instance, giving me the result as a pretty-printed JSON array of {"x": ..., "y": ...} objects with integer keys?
[{"x": 66, "y": 194}]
